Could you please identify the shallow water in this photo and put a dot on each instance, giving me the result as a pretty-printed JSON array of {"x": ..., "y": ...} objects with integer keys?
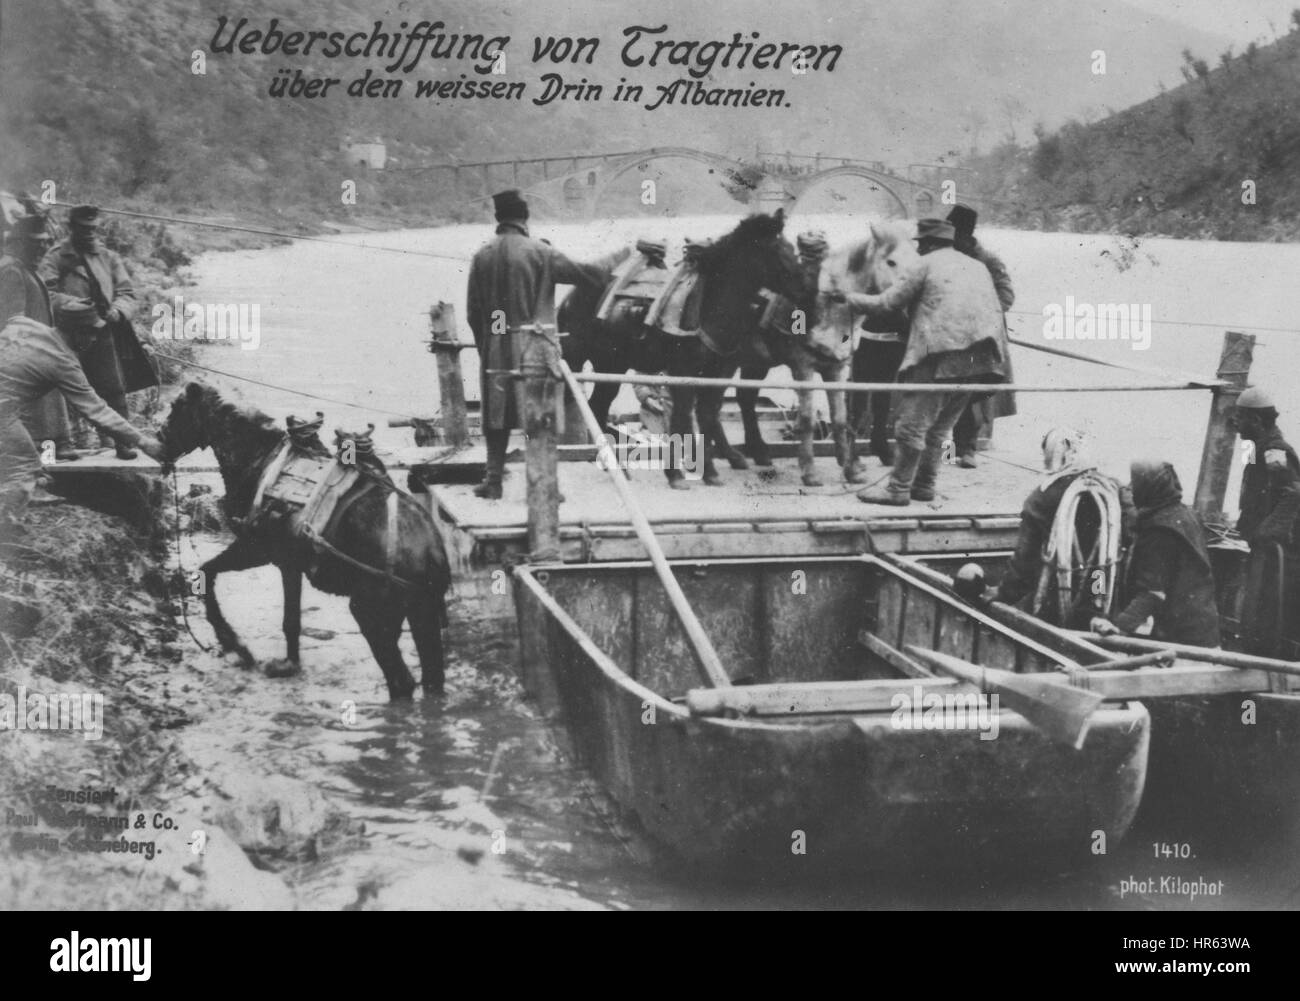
[{"x": 446, "y": 775}]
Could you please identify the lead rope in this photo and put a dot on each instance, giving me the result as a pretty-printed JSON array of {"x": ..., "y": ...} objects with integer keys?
[{"x": 180, "y": 562}]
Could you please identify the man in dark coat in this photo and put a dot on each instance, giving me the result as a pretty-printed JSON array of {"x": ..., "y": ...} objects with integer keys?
[
  {"x": 956, "y": 334},
  {"x": 983, "y": 410},
  {"x": 1170, "y": 578},
  {"x": 79, "y": 270},
  {"x": 1270, "y": 504},
  {"x": 22, "y": 293},
  {"x": 512, "y": 283},
  {"x": 34, "y": 359}
]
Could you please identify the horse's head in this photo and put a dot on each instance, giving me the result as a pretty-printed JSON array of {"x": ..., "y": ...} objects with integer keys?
[
  {"x": 888, "y": 251},
  {"x": 187, "y": 426},
  {"x": 755, "y": 255},
  {"x": 868, "y": 266},
  {"x": 201, "y": 418}
]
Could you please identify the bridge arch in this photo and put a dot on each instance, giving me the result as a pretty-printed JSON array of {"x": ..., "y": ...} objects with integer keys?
[
  {"x": 613, "y": 172},
  {"x": 881, "y": 181}
]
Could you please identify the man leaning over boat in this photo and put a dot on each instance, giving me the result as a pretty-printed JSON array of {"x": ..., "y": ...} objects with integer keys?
[
  {"x": 1029, "y": 581},
  {"x": 35, "y": 359},
  {"x": 1170, "y": 579}
]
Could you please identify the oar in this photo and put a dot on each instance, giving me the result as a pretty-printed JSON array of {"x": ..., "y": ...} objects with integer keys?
[
  {"x": 1061, "y": 712},
  {"x": 708, "y": 657},
  {"x": 1244, "y": 661},
  {"x": 1068, "y": 643}
]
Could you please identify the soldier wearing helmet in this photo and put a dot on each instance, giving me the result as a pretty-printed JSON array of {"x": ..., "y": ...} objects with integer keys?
[
  {"x": 1270, "y": 486},
  {"x": 1270, "y": 504}
]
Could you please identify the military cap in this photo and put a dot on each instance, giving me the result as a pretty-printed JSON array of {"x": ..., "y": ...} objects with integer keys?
[
  {"x": 935, "y": 229},
  {"x": 84, "y": 216}
]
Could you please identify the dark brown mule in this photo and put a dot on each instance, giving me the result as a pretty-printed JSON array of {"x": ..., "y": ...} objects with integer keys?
[
  {"x": 751, "y": 257},
  {"x": 245, "y": 441}
]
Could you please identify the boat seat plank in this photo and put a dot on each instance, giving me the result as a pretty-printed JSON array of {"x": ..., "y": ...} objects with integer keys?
[
  {"x": 794, "y": 698},
  {"x": 895, "y": 658}
]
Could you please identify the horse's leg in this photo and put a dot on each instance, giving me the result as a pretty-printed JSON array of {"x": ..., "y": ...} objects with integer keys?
[
  {"x": 724, "y": 448},
  {"x": 380, "y": 619},
  {"x": 803, "y": 370},
  {"x": 242, "y": 554},
  {"x": 291, "y": 579},
  {"x": 424, "y": 613},
  {"x": 708, "y": 408},
  {"x": 846, "y": 440},
  {"x": 755, "y": 447},
  {"x": 601, "y": 398}
]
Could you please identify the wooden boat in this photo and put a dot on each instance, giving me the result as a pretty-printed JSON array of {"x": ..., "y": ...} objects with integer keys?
[
  {"x": 1223, "y": 758},
  {"x": 827, "y": 768}
]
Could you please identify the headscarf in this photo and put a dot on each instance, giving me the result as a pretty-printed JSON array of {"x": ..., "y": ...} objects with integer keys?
[
  {"x": 1155, "y": 486},
  {"x": 1064, "y": 454}
]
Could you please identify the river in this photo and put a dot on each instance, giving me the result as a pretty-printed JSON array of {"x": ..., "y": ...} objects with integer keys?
[{"x": 348, "y": 321}]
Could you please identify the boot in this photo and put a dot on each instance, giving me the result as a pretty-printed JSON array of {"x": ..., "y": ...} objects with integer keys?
[
  {"x": 126, "y": 451},
  {"x": 926, "y": 474},
  {"x": 64, "y": 452},
  {"x": 898, "y": 491},
  {"x": 490, "y": 488}
]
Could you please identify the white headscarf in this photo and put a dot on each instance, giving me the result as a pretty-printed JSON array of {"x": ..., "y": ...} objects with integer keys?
[{"x": 1064, "y": 454}]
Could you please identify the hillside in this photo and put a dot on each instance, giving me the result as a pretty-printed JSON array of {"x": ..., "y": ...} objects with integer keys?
[
  {"x": 98, "y": 94},
  {"x": 1177, "y": 164}
]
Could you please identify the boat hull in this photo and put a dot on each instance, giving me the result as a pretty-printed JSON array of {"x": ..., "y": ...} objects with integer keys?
[
  {"x": 844, "y": 790},
  {"x": 1229, "y": 761}
]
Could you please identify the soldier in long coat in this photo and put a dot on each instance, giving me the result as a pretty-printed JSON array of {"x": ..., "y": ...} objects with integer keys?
[
  {"x": 22, "y": 293},
  {"x": 983, "y": 410},
  {"x": 512, "y": 283},
  {"x": 1270, "y": 523},
  {"x": 80, "y": 270}
]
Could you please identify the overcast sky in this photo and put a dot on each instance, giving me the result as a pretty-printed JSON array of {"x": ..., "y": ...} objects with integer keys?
[{"x": 1242, "y": 21}]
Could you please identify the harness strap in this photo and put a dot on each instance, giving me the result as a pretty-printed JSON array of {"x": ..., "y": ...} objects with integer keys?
[{"x": 391, "y": 539}]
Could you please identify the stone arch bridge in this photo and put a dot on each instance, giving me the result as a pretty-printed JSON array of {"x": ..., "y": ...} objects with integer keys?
[{"x": 580, "y": 186}]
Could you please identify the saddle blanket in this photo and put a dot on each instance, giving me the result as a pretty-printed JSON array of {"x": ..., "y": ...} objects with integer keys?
[
  {"x": 309, "y": 488},
  {"x": 638, "y": 281},
  {"x": 677, "y": 308}
]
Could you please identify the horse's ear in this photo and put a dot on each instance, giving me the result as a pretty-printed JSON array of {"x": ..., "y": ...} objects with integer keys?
[
  {"x": 778, "y": 217},
  {"x": 193, "y": 391},
  {"x": 876, "y": 235}
]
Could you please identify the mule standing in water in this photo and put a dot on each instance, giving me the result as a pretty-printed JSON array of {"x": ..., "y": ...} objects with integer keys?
[
  {"x": 386, "y": 554},
  {"x": 821, "y": 339}
]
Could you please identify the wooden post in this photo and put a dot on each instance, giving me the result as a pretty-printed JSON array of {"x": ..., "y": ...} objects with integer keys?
[
  {"x": 708, "y": 658},
  {"x": 1220, "y": 440},
  {"x": 446, "y": 346},
  {"x": 540, "y": 365}
]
